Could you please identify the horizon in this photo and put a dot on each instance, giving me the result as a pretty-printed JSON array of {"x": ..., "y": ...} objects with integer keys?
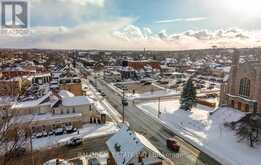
[{"x": 122, "y": 25}]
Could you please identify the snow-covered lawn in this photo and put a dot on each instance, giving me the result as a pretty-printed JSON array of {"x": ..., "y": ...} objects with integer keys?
[
  {"x": 88, "y": 131},
  {"x": 155, "y": 94},
  {"x": 206, "y": 131}
]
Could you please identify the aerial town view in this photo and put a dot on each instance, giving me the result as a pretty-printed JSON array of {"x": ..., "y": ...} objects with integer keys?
[{"x": 138, "y": 82}]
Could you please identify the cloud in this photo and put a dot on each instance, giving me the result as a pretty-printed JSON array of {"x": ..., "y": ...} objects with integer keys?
[
  {"x": 122, "y": 34},
  {"x": 99, "y": 3},
  {"x": 193, "y": 19}
]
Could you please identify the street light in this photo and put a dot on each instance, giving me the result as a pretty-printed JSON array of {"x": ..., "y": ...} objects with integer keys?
[{"x": 124, "y": 102}]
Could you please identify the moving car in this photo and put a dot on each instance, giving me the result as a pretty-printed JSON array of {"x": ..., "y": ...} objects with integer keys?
[
  {"x": 75, "y": 141},
  {"x": 172, "y": 144}
]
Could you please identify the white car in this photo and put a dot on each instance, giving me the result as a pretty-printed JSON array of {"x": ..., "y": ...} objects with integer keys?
[
  {"x": 56, "y": 162},
  {"x": 59, "y": 131},
  {"x": 39, "y": 135}
]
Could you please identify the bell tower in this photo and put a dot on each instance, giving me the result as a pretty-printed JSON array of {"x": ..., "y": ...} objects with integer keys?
[{"x": 234, "y": 70}]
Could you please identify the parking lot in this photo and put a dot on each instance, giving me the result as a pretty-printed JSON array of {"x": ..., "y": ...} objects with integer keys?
[{"x": 140, "y": 87}]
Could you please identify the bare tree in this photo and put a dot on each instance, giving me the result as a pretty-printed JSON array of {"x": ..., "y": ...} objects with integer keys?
[{"x": 14, "y": 136}]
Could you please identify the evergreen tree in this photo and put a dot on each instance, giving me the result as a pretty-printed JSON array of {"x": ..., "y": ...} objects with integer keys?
[{"x": 188, "y": 95}]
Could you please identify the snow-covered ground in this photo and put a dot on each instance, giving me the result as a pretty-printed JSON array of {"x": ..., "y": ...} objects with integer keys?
[
  {"x": 155, "y": 94},
  {"x": 88, "y": 131},
  {"x": 206, "y": 131}
]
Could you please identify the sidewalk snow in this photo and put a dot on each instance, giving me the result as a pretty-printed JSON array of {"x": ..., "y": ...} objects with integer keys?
[
  {"x": 88, "y": 131},
  {"x": 207, "y": 132}
]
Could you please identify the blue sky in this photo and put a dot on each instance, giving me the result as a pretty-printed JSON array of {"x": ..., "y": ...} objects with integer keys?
[{"x": 135, "y": 24}]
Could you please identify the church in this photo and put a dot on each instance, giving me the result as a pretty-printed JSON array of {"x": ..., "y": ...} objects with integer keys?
[{"x": 242, "y": 89}]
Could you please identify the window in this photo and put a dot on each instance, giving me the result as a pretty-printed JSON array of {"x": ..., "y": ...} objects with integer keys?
[
  {"x": 232, "y": 104},
  {"x": 246, "y": 108},
  {"x": 244, "y": 88},
  {"x": 239, "y": 105}
]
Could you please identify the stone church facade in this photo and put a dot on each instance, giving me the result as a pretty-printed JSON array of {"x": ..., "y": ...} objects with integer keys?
[{"x": 242, "y": 90}]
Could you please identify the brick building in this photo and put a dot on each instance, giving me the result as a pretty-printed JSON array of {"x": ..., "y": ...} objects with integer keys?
[{"x": 10, "y": 87}]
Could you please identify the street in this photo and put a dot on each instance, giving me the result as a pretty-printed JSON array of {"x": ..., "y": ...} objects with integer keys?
[
  {"x": 155, "y": 132},
  {"x": 39, "y": 157}
]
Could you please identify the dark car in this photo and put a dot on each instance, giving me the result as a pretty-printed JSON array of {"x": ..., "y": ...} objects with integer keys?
[
  {"x": 103, "y": 94},
  {"x": 172, "y": 144},
  {"x": 125, "y": 102}
]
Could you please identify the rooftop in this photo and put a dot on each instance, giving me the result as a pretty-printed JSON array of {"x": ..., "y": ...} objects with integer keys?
[{"x": 126, "y": 144}]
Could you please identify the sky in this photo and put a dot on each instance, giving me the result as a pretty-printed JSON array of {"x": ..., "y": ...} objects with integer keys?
[{"x": 139, "y": 24}]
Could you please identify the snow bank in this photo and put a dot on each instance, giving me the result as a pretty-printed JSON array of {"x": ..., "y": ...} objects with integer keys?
[
  {"x": 206, "y": 131},
  {"x": 155, "y": 94}
]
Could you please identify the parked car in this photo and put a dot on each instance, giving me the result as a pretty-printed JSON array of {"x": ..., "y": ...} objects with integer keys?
[
  {"x": 56, "y": 161},
  {"x": 39, "y": 135},
  {"x": 75, "y": 141},
  {"x": 45, "y": 134},
  {"x": 50, "y": 133},
  {"x": 172, "y": 144},
  {"x": 103, "y": 94},
  {"x": 70, "y": 129},
  {"x": 93, "y": 161},
  {"x": 59, "y": 131}
]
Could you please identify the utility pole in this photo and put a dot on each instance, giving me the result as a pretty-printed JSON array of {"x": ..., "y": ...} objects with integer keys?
[
  {"x": 124, "y": 102},
  {"x": 123, "y": 114},
  {"x": 159, "y": 108}
]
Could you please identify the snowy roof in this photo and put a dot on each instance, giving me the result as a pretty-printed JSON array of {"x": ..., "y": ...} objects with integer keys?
[
  {"x": 76, "y": 101},
  {"x": 65, "y": 94},
  {"x": 43, "y": 117},
  {"x": 41, "y": 75},
  {"x": 125, "y": 144},
  {"x": 32, "y": 103}
]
